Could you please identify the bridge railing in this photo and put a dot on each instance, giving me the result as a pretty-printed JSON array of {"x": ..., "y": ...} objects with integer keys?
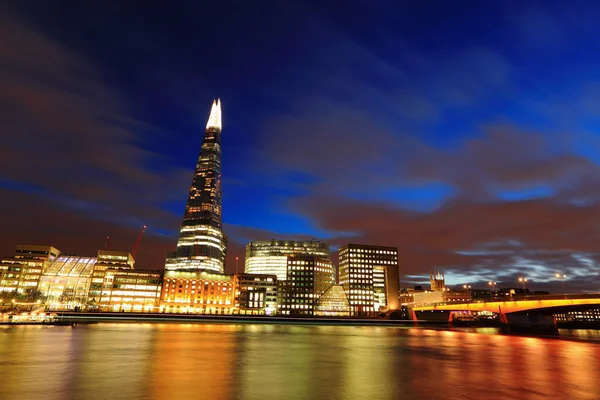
[{"x": 518, "y": 298}]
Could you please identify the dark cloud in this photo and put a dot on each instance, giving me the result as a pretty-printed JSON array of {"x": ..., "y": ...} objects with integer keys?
[
  {"x": 67, "y": 137},
  {"x": 503, "y": 157},
  {"x": 474, "y": 241},
  {"x": 33, "y": 219}
]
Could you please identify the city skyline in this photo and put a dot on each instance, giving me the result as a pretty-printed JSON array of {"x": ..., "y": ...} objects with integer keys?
[{"x": 479, "y": 160}]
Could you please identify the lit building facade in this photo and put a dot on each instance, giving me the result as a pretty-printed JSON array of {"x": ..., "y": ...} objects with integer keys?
[
  {"x": 437, "y": 282},
  {"x": 20, "y": 275},
  {"x": 255, "y": 294},
  {"x": 202, "y": 245},
  {"x": 270, "y": 256},
  {"x": 65, "y": 284},
  {"x": 130, "y": 290},
  {"x": 333, "y": 303},
  {"x": 197, "y": 292},
  {"x": 107, "y": 259},
  {"x": 369, "y": 275},
  {"x": 588, "y": 316},
  {"x": 307, "y": 279},
  {"x": 447, "y": 295}
]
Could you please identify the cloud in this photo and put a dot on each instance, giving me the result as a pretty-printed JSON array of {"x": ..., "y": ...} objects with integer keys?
[
  {"x": 505, "y": 157},
  {"x": 69, "y": 140},
  {"x": 486, "y": 241}
]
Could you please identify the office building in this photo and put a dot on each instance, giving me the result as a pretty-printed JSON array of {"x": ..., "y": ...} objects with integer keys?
[
  {"x": 202, "y": 245},
  {"x": 129, "y": 290},
  {"x": 255, "y": 294},
  {"x": 270, "y": 256},
  {"x": 307, "y": 279},
  {"x": 369, "y": 275},
  {"x": 197, "y": 292},
  {"x": 20, "y": 274},
  {"x": 106, "y": 259}
]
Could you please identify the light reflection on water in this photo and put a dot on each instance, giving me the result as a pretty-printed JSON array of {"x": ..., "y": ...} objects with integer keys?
[{"x": 228, "y": 361}]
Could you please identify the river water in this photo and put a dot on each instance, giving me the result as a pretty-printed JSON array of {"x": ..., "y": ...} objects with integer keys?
[{"x": 229, "y": 361}]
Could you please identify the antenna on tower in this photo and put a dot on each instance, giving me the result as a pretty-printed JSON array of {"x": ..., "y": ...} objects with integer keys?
[
  {"x": 107, "y": 244},
  {"x": 137, "y": 242}
]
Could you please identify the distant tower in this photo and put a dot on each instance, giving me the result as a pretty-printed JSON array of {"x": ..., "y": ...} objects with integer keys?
[
  {"x": 438, "y": 282},
  {"x": 202, "y": 244}
]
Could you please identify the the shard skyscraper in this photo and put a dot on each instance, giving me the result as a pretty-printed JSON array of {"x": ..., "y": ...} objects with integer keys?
[{"x": 202, "y": 244}]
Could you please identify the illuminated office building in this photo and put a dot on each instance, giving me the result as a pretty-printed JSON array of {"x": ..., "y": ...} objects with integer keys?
[
  {"x": 20, "y": 274},
  {"x": 255, "y": 294},
  {"x": 197, "y": 292},
  {"x": 107, "y": 259},
  {"x": 202, "y": 244},
  {"x": 369, "y": 275},
  {"x": 129, "y": 290},
  {"x": 270, "y": 256},
  {"x": 307, "y": 279}
]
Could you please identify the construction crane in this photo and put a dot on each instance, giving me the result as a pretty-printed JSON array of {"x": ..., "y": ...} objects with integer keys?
[{"x": 137, "y": 243}]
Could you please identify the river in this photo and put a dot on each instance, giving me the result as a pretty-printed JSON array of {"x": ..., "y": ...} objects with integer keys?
[{"x": 230, "y": 361}]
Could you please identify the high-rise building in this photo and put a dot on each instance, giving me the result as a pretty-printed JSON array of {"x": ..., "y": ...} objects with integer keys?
[
  {"x": 369, "y": 275},
  {"x": 270, "y": 256},
  {"x": 202, "y": 244},
  {"x": 308, "y": 278}
]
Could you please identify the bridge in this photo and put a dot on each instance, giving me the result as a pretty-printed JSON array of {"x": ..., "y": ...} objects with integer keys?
[{"x": 548, "y": 303}]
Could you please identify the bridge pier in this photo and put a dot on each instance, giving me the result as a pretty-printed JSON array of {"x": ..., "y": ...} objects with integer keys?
[{"x": 529, "y": 323}]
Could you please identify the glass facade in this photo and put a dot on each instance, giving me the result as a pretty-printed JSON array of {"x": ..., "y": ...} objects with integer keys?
[
  {"x": 369, "y": 275},
  {"x": 202, "y": 244},
  {"x": 270, "y": 256},
  {"x": 333, "y": 303},
  {"x": 65, "y": 284}
]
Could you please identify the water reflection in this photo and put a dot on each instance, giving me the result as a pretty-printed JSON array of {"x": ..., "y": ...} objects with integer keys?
[{"x": 227, "y": 361}]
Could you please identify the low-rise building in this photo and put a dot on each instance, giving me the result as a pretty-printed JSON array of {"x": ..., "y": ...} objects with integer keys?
[
  {"x": 130, "y": 290},
  {"x": 196, "y": 292},
  {"x": 65, "y": 284},
  {"x": 20, "y": 274},
  {"x": 255, "y": 294},
  {"x": 333, "y": 303}
]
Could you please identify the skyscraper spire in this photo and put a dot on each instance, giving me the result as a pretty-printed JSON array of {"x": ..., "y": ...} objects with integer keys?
[
  {"x": 214, "y": 120},
  {"x": 202, "y": 244}
]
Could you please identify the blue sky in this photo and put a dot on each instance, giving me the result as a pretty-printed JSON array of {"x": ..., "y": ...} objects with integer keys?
[{"x": 452, "y": 130}]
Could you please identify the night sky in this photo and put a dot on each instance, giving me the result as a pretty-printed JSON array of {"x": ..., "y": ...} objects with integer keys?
[{"x": 463, "y": 132}]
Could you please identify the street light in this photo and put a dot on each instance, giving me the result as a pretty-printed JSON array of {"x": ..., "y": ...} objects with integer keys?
[
  {"x": 523, "y": 281},
  {"x": 562, "y": 279}
]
